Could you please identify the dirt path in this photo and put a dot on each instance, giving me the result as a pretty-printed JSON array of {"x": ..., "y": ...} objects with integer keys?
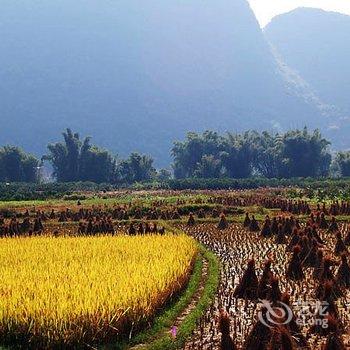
[
  {"x": 196, "y": 296},
  {"x": 190, "y": 307}
]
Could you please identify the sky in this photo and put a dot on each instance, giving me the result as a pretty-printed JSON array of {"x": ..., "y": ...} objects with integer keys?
[{"x": 265, "y": 10}]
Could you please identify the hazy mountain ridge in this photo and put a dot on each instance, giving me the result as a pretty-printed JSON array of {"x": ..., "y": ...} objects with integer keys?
[
  {"x": 137, "y": 78},
  {"x": 299, "y": 86},
  {"x": 315, "y": 44}
]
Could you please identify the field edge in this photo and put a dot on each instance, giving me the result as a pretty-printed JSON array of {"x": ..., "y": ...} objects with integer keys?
[{"x": 189, "y": 324}]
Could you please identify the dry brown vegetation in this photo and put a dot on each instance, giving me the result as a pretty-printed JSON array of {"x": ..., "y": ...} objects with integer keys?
[{"x": 278, "y": 272}]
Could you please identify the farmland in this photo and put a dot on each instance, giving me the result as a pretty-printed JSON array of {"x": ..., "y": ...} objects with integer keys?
[
  {"x": 141, "y": 268},
  {"x": 73, "y": 290}
]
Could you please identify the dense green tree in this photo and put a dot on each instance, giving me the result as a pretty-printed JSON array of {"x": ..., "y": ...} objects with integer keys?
[
  {"x": 164, "y": 175},
  {"x": 73, "y": 144},
  {"x": 17, "y": 166},
  {"x": 342, "y": 163},
  {"x": 267, "y": 156},
  {"x": 296, "y": 153},
  {"x": 137, "y": 168},
  {"x": 304, "y": 154},
  {"x": 211, "y": 155},
  {"x": 76, "y": 160},
  {"x": 208, "y": 168},
  {"x": 31, "y": 168},
  {"x": 96, "y": 164},
  {"x": 64, "y": 157},
  {"x": 238, "y": 156},
  {"x": 188, "y": 154}
]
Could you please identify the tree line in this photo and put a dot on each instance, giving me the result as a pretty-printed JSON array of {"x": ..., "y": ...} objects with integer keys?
[
  {"x": 78, "y": 160},
  {"x": 207, "y": 155},
  {"x": 75, "y": 159},
  {"x": 296, "y": 153}
]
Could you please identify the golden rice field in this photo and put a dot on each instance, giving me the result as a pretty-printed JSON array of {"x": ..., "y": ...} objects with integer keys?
[{"x": 85, "y": 289}]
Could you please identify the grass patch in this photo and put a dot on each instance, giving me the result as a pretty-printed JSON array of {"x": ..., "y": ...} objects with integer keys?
[{"x": 136, "y": 198}]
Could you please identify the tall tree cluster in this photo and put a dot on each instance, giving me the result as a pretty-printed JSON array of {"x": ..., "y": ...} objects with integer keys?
[
  {"x": 296, "y": 153},
  {"x": 78, "y": 160},
  {"x": 17, "y": 166},
  {"x": 136, "y": 168},
  {"x": 342, "y": 163}
]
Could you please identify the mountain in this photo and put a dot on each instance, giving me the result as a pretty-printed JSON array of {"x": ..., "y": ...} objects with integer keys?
[
  {"x": 138, "y": 75},
  {"x": 315, "y": 44}
]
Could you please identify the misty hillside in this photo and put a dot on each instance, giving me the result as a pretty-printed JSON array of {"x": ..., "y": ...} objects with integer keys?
[
  {"x": 316, "y": 44},
  {"x": 137, "y": 75}
]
